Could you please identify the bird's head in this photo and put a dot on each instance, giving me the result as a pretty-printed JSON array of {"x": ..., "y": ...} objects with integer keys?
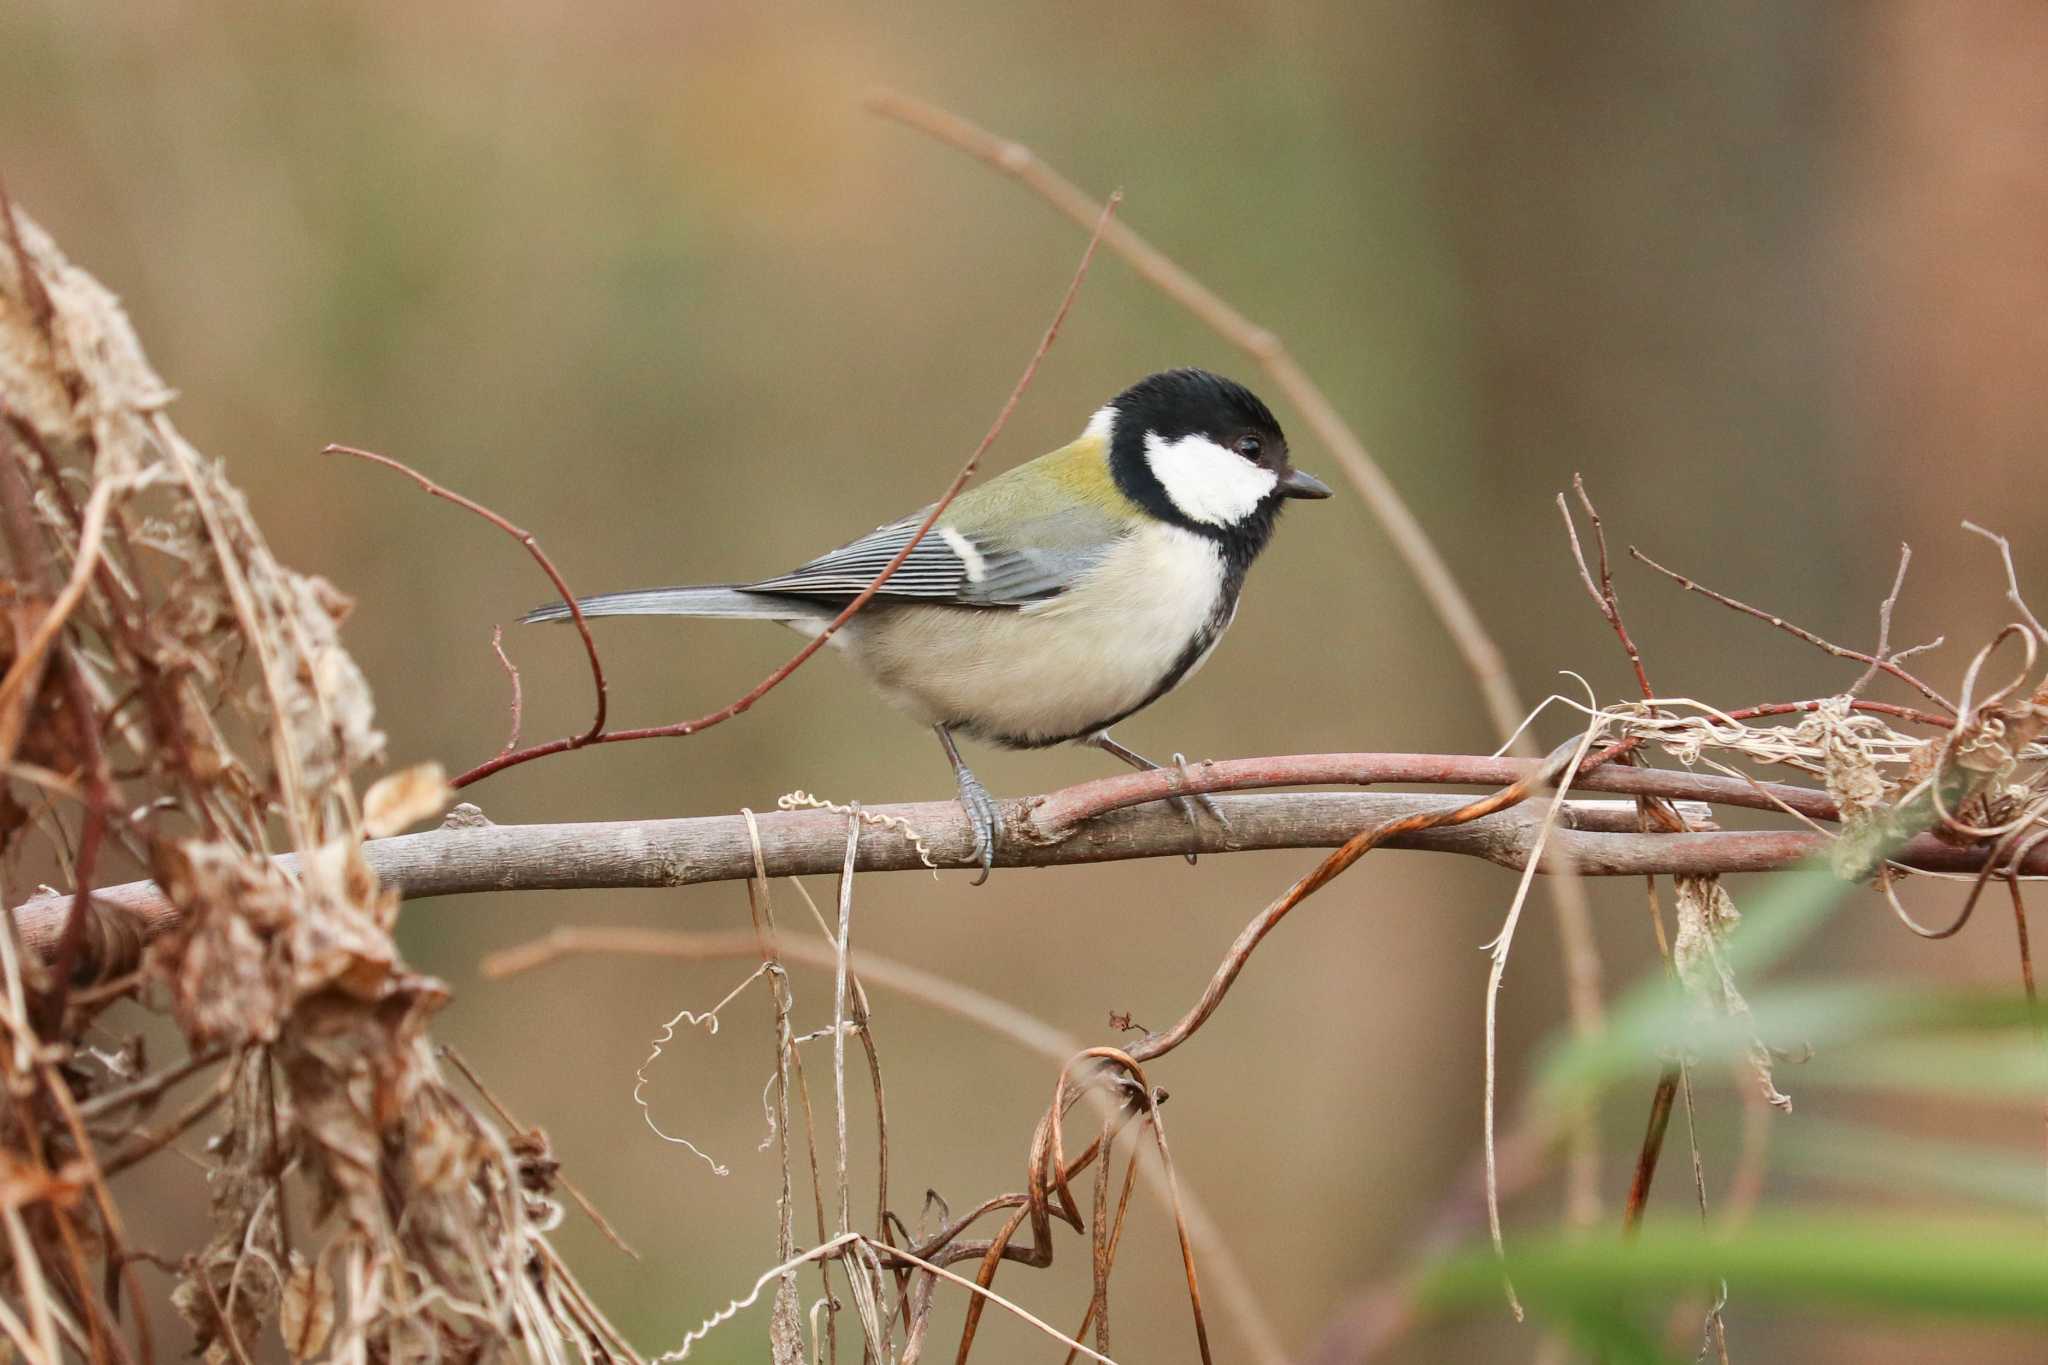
[{"x": 1203, "y": 453}]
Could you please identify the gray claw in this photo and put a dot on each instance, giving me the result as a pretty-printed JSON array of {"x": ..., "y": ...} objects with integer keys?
[{"x": 986, "y": 817}]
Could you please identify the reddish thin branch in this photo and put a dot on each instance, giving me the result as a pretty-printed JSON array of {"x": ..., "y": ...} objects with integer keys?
[
  {"x": 745, "y": 702},
  {"x": 1058, "y": 811},
  {"x": 540, "y": 557},
  {"x": 1603, "y": 594},
  {"x": 1877, "y": 661},
  {"x": 518, "y": 693},
  {"x": 1327, "y": 871}
]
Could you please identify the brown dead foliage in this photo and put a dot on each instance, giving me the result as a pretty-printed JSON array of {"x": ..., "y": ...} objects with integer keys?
[{"x": 175, "y": 700}]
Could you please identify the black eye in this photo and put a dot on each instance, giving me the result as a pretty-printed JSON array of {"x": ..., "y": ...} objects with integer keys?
[{"x": 1249, "y": 446}]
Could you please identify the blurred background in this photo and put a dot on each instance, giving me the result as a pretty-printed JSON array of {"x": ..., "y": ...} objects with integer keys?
[{"x": 646, "y": 279}]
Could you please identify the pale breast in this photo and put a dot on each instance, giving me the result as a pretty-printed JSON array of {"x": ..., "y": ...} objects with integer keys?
[{"x": 1063, "y": 668}]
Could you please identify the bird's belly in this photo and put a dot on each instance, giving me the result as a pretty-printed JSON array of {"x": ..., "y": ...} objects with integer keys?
[{"x": 1059, "y": 670}]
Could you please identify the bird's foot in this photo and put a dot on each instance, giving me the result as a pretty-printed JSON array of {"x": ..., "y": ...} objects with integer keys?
[
  {"x": 984, "y": 817},
  {"x": 1186, "y": 806}
]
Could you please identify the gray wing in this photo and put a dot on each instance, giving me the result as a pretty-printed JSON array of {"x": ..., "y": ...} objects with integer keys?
[{"x": 952, "y": 565}]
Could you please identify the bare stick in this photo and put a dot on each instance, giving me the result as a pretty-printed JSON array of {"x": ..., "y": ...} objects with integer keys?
[
  {"x": 540, "y": 557},
  {"x": 1884, "y": 625},
  {"x": 1800, "y": 632},
  {"x": 668, "y": 853},
  {"x": 1325, "y": 872},
  {"x": 745, "y": 702},
  {"x": 2012, "y": 579},
  {"x": 518, "y": 695},
  {"x": 1602, "y": 593}
]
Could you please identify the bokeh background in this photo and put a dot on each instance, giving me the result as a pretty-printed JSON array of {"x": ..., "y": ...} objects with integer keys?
[{"x": 646, "y": 279}]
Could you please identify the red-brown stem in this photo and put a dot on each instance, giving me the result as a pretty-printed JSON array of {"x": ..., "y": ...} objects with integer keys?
[
  {"x": 1325, "y": 872},
  {"x": 1059, "y": 811},
  {"x": 761, "y": 689},
  {"x": 1800, "y": 632},
  {"x": 540, "y": 557},
  {"x": 1603, "y": 594}
]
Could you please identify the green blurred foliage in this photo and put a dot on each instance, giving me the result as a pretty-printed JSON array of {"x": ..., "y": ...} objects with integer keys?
[{"x": 645, "y": 279}]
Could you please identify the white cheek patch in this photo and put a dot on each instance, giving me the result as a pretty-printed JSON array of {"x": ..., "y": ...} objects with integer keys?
[
  {"x": 970, "y": 558},
  {"x": 1206, "y": 482}
]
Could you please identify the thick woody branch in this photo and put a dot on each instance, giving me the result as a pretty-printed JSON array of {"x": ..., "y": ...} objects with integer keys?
[{"x": 1600, "y": 839}]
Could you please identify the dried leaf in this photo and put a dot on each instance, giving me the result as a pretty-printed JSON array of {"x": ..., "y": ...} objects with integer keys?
[
  {"x": 786, "y": 1326},
  {"x": 306, "y": 1317},
  {"x": 405, "y": 798},
  {"x": 1706, "y": 916}
]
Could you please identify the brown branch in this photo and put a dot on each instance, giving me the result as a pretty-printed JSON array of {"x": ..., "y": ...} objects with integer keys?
[
  {"x": 1602, "y": 593},
  {"x": 1372, "y": 836},
  {"x": 1877, "y": 661},
  {"x": 540, "y": 557},
  {"x": 745, "y": 702},
  {"x": 518, "y": 709},
  {"x": 1884, "y": 625},
  {"x": 1108, "y": 820}
]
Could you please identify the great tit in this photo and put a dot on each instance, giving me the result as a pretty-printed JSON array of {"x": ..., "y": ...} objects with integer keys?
[{"x": 1056, "y": 599}]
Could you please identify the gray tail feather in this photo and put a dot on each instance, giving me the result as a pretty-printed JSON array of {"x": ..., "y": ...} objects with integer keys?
[{"x": 716, "y": 600}]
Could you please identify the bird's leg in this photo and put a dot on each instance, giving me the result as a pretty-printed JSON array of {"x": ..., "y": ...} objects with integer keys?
[
  {"x": 1182, "y": 803},
  {"x": 983, "y": 814}
]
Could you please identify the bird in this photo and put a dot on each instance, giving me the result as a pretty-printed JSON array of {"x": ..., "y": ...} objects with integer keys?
[{"x": 1056, "y": 599}]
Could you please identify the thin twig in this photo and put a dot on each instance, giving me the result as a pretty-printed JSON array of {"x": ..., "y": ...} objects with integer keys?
[
  {"x": 1602, "y": 593},
  {"x": 2012, "y": 580},
  {"x": 518, "y": 707},
  {"x": 928, "y": 988},
  {"x": 149, "y": 1087},
  {"x": 1884, "y": 626},
  {"x": 746, "y": 700},
  {"x": 146, "y": 1145},
  {"x": 1155, "y": 1045},
  {"x": 540, "y": 557},
  {"x": 1800, "y": 632},
  {"x": 598, "y": 1220}
]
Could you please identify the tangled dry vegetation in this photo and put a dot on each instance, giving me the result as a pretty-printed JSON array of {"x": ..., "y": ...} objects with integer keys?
[
  {"x": 177, "y": 700},
  {"x": 178, "y": 712}
]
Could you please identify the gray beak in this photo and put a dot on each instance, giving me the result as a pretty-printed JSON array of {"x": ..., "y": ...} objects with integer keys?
[{"x": 1299, "y": 483}]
